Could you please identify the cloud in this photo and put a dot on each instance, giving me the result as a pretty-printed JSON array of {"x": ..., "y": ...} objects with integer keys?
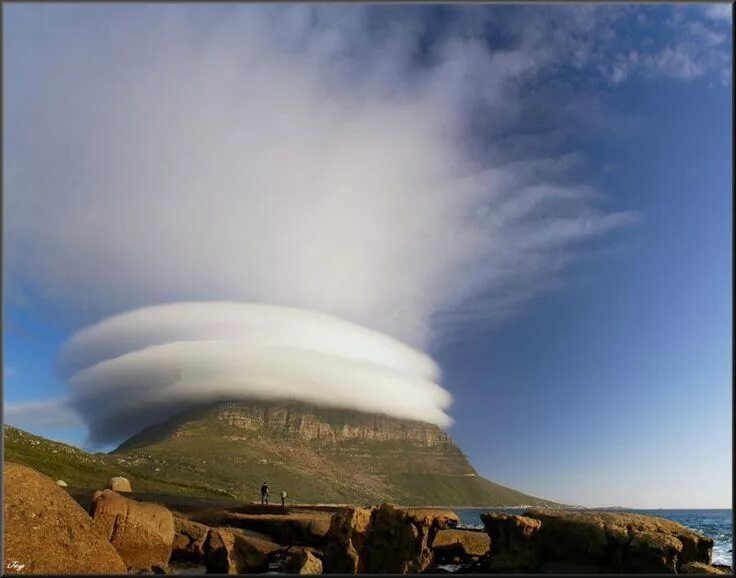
[
  {"x": 277, "y": 156},
  {"x": 149, "y": 363},
  {"x": 346, "y": 160},
  {"x": 55, "y": 413},
  {"x": 718, "y": 11}
]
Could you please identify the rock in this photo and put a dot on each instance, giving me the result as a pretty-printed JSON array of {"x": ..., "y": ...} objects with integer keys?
[
  {"x": 398, "y": 539},
  {"x": 303, "y": 528},
  {"x": 119, "y": 484},
  {"x": 47, "y": 532},
  {"x": 62, "y": 483},
  {"x": 699, "y": 568},
  {"x": 230, "y": 551},
  {"x": 302, "y": 561},
  {"x": 605, "y": 541},
  {"x": 142, "y": 533},
  {"x": 459, "y": 546},
  {"x": 345, "y": 541},
  {"x": 512, "y": 538},
  {"x": 435, "y": 517},
  {"x": 189, "y": 540}
]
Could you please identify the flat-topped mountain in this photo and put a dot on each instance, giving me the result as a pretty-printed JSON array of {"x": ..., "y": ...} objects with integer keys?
[{"x": 318, "y": 455}]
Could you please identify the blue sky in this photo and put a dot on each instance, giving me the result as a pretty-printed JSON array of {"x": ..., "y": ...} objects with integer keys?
[{"x": 592, "y": 368}]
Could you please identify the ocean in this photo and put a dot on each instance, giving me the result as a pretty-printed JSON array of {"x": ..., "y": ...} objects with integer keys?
[{"x": 716, "y": 524}]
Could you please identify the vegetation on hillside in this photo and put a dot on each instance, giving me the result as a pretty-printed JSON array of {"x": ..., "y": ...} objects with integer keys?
[{"x": 316, "y": 455}]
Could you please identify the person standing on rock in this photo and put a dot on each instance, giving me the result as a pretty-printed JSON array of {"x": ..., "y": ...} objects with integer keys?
[
  {"x": 264, "y": 493},
  {"x": 283, "y": 498}
]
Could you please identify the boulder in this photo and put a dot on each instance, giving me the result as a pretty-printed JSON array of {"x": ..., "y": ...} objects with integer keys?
[
  {"x": 47, "y": 532},
  {"x": 142, "y": 533},
  {"x": 460, "y": 546},
  {"x": 699, "y": 568},
  {"x": 230, "y": 551},
  {"x": 189, "y": 540},
  {"x": 345, "y": 541},
  {"x": 119, "y": 484},
  {"x": 62, "y": 483},
  {"x": 302, "y": 561},
  {"x": 398, "y": 540},
  {"x": 513, "y": 541},
  {"x": 596, "y": 541}
]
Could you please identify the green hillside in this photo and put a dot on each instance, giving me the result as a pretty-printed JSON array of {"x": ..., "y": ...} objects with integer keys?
[{"x": 318, "y": 455}]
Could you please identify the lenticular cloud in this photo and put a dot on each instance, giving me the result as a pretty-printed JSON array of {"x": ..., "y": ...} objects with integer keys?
[{"x": 136, "y": 368}]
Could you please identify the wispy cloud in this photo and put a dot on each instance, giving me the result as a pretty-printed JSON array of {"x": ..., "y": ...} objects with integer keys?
[
  {"x": 370, "y": 163},
  {"x": 55, "y": 413},
  {"x": 313, "y": 157},
  {"x": 722, "y": 11}
]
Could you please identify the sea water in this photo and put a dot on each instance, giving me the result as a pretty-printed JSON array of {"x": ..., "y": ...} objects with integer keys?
[{"x": 716, "y": 524}]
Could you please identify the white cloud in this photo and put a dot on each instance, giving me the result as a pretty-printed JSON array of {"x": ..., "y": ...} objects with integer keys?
[
  {"x": 157, "y": 360},
  {"x": 718, "y": 11},
  {"x": 325, "y": 172},
  {"x": 314, "y": 157}
]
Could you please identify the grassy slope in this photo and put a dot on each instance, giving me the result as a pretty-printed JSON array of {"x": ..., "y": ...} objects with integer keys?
[{"x": 82, "y": 469}]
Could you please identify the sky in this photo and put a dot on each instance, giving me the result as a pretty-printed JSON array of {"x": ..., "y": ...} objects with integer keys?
[{"x": 511, "y": 221}]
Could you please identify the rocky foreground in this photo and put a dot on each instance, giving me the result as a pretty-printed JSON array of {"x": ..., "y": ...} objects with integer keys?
[{"x": 47, "y": 531}]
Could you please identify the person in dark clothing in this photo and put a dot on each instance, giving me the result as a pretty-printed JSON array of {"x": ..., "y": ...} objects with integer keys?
[{"x": 264, "y": 493}]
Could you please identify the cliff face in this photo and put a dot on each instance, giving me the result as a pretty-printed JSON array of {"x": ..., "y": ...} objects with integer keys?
[
  {"x": 324, "y": 425},
  {"x": 316, "y": 454}
]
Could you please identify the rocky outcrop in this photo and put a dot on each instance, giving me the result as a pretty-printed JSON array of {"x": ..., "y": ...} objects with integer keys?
[
  {"x": 460, "y": 546},
  {"x": 552, "y": 540},
  {"x": 229, "y": 551},
  {"x": 119, "y": 484},
  {"x": 307, "y": 423},
  {"x": 189, "y": 540},
  {"x": 700, "y": 568},
  {"x": 47, "y": 532},
  {"x": 304, "y": 528},
  {"x": 398, "y": 540},
  {"x": 142, "y": 533},
  {"x": 513, "y": 541},
  {"x": 300, "y": 560},
  {"x": 345, "y": 541}
]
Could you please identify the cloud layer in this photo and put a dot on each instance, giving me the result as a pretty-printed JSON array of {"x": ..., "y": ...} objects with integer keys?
[
  {"x": 142, "y": 366},
  {"x": 313, "y": 158},
  {"x": 389, "y": 166}
]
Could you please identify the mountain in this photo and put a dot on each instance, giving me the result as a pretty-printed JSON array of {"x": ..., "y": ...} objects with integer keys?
[{"x": 318, "y": 455}]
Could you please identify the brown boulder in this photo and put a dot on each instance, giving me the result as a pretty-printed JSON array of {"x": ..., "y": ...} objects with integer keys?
[
  {"x": 47, "y": 532},
  {"x": 119, "y": 484},
  {"x": 398, "y": 540},
  {"x": 142, "y": 533},
  {"x": 605, "y": 541},
  {"x": 513, "y": 541},
  {"x": 345, "y": 541},
  {"x": 302, "y": 561},
  {"x": 699, "y": 568},
  {"x": 459, "y": 546},
  {"x": 231, "y": 551},
  {"x": 189, "y": 540}
]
